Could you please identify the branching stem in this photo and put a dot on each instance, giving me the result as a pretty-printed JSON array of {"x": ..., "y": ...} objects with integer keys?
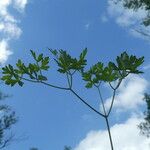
[
  {"x": 113, "y": 97},
  {"x": 112, "y": 102},
  {"x": 101, "y": 98},
  {"x": 104, "y": 115}
]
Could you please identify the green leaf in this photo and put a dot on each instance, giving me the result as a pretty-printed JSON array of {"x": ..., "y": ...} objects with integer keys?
[
  {"x": 86, "y": 76},
  {"x": 44, "y": 67},
  {"x": 12, "y": 82},
  {"x": 127, "y": 64},
  {"x": 54, "y": 52},
  {"x": 11, "y": 68},
  {"x": 6, "y": 77},
  {"x": 61, "y": 70},
  {"x": 19, "y": 63},
  {"x": 33, "y": 54},
  {"x": 45, "y": 61},
  {"x": 20, "y": 83},
  {"x": 42, "y": 78},
  {"x": 40, "y": 57},
  {"x": 83, "y": 54},
  {"x": 89, "y": 85}
]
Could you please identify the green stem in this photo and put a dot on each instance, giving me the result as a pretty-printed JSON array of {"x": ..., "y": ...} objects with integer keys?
[
  {"x": 114, "y": 94},
  {"x": 69, "y": 82},
  {"x": 109, "y": 133},
  {"x": 102, "y": 101},
  {"x": 106, "y": 117},
  {"x": 54, "y": 86},
  {"x": 92, "y": 108},
  {"x": 112, "y": 102},
  {"x": 51, "y": 85}
]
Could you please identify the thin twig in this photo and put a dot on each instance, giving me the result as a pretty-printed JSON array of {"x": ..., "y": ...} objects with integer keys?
[
  {"x": 112, "y": 102},
  {"x": 54, "y": 86},
  {"x": 7, "y": 141},
  {"x": 48, "y": 84},
  {"x": 92, "y": 108},
  {"x": 69, "y": 82},
  {"x": 113, "y": 98},
  {"x": 101, "y": 98}
]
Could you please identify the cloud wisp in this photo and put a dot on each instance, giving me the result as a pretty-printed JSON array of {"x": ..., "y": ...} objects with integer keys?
[
  {"x": 87, "y": 26},
  {"x": 126, "y": 136},
  {"x": 129, "y": 19},
  {"x": 9, "y": 28},
  {"x": 104, "y": 18},
  {"x": 130, "y": 94}
]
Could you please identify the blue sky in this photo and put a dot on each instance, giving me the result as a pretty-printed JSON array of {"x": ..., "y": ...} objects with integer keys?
[{"x": 51, "y": 118}]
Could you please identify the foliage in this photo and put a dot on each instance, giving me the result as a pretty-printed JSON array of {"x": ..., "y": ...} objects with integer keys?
[
  {"x": 145, "y": 126},
  {"x": 125, "y": 65},
  {"x": 33, "y": 148},
  {"x": 67, "y": 65},
  {"x": 137, "y": 4},
  {"x": 67, "y": 148},
  {"x": 7, "y": 119}
]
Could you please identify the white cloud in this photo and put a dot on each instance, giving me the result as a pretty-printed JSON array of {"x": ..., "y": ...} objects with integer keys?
[
  {"x": 125, "y": 137},
  {"x": 9, "y": 28},
  {"x": 130, "y": 94},
  {"x": 87, "y": 26},
  {"x": 20, "y": 4},
  {"x": 141, "y": 32},
  {"x": 128, "y": 18},
  {"x": 104, "y": 18},
  {"x": 4, "y": 51},
  {"x": 125, "y": 17}
]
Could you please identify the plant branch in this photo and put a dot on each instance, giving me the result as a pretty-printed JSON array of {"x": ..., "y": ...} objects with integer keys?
[
  {"x": 109, "y": 133},
  {"x": 92, "y": 108},
  {"x": 114, "y": 94},
  {"x": 112, "y": 102},
  {"x": 111, "y": 86},
  {"x": 6, "y": 142},
  {"x": 69, "y": 80},
  {"x": 51, "y": 85},
  {"x": 54, "y": 86},
  {"x": 101, "y": 98}
]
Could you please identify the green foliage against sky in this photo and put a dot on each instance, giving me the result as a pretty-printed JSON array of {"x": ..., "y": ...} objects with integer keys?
[
  {"x": 7, "y": 119},
  {"x": 145, "y": 125},
  {"x": 67, "y": 65},
  {"x": 33, "y": 148},
  {"x": 124, "y": 65},
  {"x": 106, "y": 28},
  {"x": 137, "y": 4}
]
